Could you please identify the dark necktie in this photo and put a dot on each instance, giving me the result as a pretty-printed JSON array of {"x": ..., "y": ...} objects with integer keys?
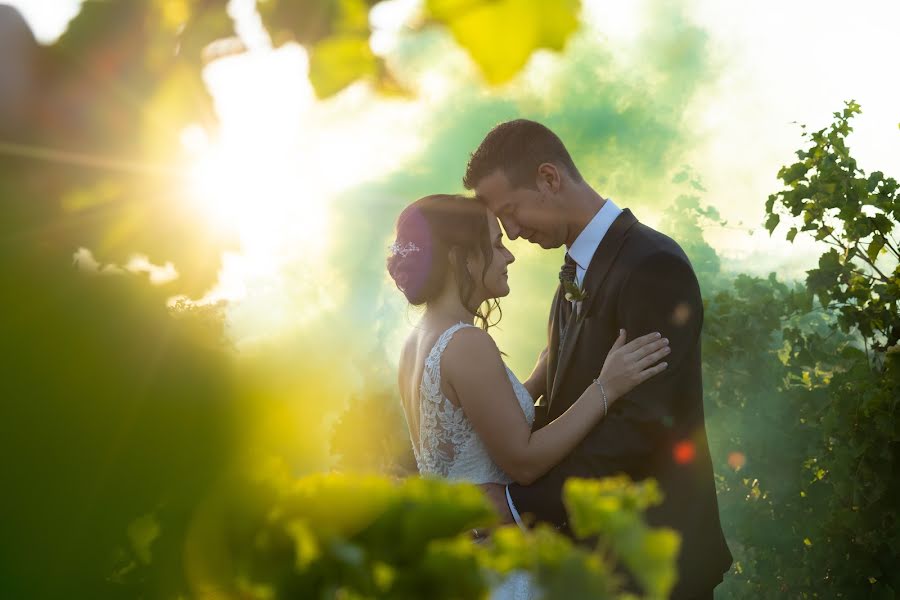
[
  {"x": 568, "y": 273},
  {"x": 569, "y": 270}
]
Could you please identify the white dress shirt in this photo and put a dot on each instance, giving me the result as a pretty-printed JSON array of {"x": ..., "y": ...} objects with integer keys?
[
  {"x": 583, "y": 248},
  {"x": 582, "y": 251}
]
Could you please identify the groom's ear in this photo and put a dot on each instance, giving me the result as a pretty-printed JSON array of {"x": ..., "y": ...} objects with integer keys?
[{"x": 548, "y": 177}]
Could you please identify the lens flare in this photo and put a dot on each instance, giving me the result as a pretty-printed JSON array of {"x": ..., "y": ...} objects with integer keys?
[
  {"x": 736, "y": 460},
  {"x": 684, "y": 452}
]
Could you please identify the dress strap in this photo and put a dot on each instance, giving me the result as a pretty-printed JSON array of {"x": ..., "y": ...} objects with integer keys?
[
  {"x": 444, "y": 340},
  {"x": 431, "y": 376}
]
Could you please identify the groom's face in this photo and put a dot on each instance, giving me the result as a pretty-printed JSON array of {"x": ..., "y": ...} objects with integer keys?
[{"x": 528, "y": 213}]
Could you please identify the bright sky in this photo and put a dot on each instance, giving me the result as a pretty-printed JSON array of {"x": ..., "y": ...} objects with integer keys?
[
  {"x": 48, "y": 18},
  {"x": 787, "y": 62}
]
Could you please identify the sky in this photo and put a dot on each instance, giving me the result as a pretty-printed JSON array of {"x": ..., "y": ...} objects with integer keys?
[
  {"x": 646, "y": 89},
  {"x": 47, "y": 18}
]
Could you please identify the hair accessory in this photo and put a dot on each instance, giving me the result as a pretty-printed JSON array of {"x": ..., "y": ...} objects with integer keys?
[{"x": 408, "y": 248}]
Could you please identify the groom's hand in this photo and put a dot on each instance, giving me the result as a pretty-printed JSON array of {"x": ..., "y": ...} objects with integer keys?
[{"x": 496, "y": 493}]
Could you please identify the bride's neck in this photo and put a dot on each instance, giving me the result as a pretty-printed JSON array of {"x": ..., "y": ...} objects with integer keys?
[{"x": 448, "y": 306}]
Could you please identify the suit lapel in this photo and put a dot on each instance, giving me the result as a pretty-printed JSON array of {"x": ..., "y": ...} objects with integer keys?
[
  {"x": 560, "y": 313},
  {"x": 553, "y": 335},
  {"x": 603, "y": 259}
]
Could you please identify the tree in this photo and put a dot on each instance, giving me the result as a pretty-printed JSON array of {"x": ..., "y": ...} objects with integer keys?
[{"x": 804, "y": 390}]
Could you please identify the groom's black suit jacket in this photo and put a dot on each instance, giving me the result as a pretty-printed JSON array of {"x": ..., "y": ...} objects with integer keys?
[{"x": 639, "y": 280}]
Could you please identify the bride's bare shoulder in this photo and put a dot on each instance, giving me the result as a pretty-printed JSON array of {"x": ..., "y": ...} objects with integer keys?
[{"x": 469, "y": 345}]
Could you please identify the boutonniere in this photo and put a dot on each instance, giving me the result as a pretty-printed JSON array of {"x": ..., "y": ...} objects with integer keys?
[
  {"x": 567, "y": 278},
  {"x": 574, "y": 292}
]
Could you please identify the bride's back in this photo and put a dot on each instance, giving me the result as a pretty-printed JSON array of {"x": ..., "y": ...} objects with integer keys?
[
  {"x": 413, "y": 357},
  {"x": 443, "y": 439}
]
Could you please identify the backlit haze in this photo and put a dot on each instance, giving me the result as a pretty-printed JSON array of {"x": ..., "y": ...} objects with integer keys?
[{"x": 644, "y": 91}]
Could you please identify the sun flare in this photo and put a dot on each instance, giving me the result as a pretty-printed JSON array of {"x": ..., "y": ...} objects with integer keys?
[
  {"x": 261, "y": 195},
  {"x": 270, "y": 177}
]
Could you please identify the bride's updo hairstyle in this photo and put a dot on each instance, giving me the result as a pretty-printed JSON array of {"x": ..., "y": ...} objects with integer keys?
[{"x": 429, "y": 232}]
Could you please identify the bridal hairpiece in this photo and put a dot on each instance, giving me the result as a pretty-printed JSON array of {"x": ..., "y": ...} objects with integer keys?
[{"x": 408, "y": 248}]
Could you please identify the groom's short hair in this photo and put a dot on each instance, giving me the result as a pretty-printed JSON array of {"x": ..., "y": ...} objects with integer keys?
[{"x": 518, "y": 148}]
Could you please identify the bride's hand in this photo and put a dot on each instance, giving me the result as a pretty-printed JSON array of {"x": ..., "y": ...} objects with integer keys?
[
  {"x": 537, "y": 381},
  {"x": 629, "y": 364}
]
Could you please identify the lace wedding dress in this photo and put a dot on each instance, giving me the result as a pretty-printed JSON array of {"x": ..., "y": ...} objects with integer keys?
[{"x": 448, "y": 447}]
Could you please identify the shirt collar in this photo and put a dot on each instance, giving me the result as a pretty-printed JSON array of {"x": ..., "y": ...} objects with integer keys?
[{"x": 584, "y": 246}]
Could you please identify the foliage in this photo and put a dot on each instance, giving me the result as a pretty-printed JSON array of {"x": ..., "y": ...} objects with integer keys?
[
  {"x": 366, "y": 536},
  {"x": 517, "y": 26},
  {"x": 855, "y": 214},
  {"x": 336, "y": 34},
  {"x": 111, "y": 98},
  {"x": 609, "y": 509},
  {"x": 117, "y": 420},
  {"x": 802, "y": 389},
  {"x": 118, "y": 413}
]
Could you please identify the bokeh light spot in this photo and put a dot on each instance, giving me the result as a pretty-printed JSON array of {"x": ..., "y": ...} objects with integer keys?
[
  {"x": 681, "y": 314},
  {"x": 684, "y": 452},
  {"x": 736, "y": 460}
]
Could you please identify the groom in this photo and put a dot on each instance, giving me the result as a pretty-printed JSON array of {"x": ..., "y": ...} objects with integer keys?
[{"x": 635, "y": 278}]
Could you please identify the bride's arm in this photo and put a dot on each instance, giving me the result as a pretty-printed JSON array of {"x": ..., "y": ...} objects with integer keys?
[
  {"x": 536, "y": 384},
  {"x": 473, "y": 368}
]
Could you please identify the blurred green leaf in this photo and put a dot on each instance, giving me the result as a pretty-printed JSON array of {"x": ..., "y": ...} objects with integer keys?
[
  {"x": 611, "y": 509},
  {"x": 501, "y": 35},
  {"x": 338, "y": 61}
]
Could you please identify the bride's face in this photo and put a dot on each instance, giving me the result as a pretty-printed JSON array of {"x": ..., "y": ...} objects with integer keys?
[{"x": 495, "y": 283}]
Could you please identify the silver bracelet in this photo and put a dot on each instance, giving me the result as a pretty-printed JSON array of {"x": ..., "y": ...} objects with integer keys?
[{"x": 602, "y": 391}]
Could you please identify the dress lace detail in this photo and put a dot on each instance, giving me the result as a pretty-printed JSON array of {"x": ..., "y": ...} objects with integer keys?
[{"x": 449, "y": 448}]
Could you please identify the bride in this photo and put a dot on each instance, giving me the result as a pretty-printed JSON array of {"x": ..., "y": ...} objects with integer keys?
[{"x": 469, "y": 417}]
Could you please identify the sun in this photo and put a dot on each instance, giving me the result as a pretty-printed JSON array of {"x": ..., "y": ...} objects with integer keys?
[
  {"x": 262, "y": 194},
  {"x": 271, "y": 175},
  {"x": 250, "y": 179}
]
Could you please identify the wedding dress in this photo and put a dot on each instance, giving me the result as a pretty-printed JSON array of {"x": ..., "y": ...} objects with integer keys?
[{"x": 448, "y": 447}]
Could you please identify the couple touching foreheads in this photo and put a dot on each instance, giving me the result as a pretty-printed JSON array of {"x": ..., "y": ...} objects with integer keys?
[{"x": 618, "y": 388}]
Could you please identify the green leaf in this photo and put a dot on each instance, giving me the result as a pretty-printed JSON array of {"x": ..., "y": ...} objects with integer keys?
[
  {"x": 610, "y": 509},
  {"x": 336, "y": 62},
  {"x": 793, "y": 173},
  {"x": 823, "y": 233},
  {"x": 501, "y": 36},
  {"x": 873, "y": 181},
  {"x": 772, "y": 222},
  {"x": 305, "y": 21},
  {"x": 875, "y": 247},
  {"x": 883, "y": 224},
  {"x": 792, "y": 234}
]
